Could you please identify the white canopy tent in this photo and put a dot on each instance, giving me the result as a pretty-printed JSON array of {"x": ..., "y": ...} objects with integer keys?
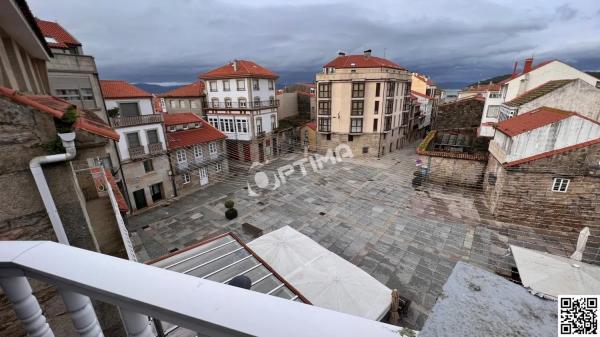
[
  {"x": 551, "y": 275},
  {"x": 324, "y": 278}
]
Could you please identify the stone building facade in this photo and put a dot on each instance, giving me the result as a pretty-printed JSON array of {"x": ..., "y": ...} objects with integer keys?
[
  {"x": 187, "y": 98},
  {"x": 462, "y": 113}
]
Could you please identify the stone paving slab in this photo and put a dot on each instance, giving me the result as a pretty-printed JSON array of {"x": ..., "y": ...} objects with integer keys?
[{"x": 365, "y": 210}]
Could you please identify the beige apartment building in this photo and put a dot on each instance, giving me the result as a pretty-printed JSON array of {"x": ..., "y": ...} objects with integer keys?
[{"x": 362, "y": 101}]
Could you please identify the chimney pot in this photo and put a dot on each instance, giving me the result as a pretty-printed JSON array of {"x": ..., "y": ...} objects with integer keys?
[
  {"x": 341, "y": 53},
  {"x": 528, "y": 65},
  {"x": 367, "y": 53},
  {"x": 234, "y": 65}
]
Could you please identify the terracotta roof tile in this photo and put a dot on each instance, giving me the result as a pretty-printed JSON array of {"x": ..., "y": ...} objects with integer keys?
[
  {"x": 113, "y": 184},
  {"x": 532, "y": 120},
  {"x": 195, "y": 89},
  {"x": 483, "y": 87},
  {"x": 181, "y": 118},
  {"x": 58, "y": 33},
  {"x": 205, "y": 133},
  {"x": 122, "y": 89},
  {"x": 57, "y": 107},
  {"x": 361, "y": 61},
  {"x": 537, "y": 92},
  {"x": 243, "y": 68}
]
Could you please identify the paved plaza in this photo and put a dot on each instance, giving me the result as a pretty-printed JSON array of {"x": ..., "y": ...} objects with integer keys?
[{"x": 365, "y": 210}]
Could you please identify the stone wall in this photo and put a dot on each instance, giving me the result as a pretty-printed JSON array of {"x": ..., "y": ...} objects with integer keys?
[
  {"x": 364, "y": 145},
  {"x": 136, "y": 178},
  {"x": 453, "y": 171},
  {"x": 464, "y": 113},
  {"x": 523, "y": 195}
]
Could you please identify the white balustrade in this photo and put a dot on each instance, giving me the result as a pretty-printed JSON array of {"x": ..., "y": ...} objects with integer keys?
[{"x": 139, "y": 290}]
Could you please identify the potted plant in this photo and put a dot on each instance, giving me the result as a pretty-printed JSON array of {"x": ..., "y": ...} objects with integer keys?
[{"x": 230, "y": 213}]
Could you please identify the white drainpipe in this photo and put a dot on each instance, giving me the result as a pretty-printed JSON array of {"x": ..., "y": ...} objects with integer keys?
[{"x": 35, "y": 165}]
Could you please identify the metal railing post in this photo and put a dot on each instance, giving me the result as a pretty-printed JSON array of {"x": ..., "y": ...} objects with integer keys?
[
  {"x": 136, "y": 325},
  {"x": 28, "y": 310},
  {"x": 82, "y": 314}
]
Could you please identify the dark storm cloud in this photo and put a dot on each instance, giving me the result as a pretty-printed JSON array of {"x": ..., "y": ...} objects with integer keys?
[{"x": 173, "y": 41}]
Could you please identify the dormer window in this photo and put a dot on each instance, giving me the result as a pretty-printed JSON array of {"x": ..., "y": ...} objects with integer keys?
[
  {"x": 172, "y": 128},
  {"x": 50, "y": 39},
  {"x": 196, "y": 125}
]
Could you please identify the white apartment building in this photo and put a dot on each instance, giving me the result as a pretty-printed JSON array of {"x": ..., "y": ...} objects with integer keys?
[
  {"x": 142, "y": 147},
  {"x": 530, "y": 78},
  {"x": 241, "y": 103},
  {"x": 360, "y": 102}
]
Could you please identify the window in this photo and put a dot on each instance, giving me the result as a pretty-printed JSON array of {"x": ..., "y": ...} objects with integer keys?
[
  {"x": 213, "y": 86},
  {"x": 271, "y": 101},
  {"x": 148, "y": 167},
  {"x": 152, "y": 136},
  {"x": 391, "y": 88},
  {"x": 376, "y": 106},
  {"x": 324, "y": 125},
  {"x": 255, "y": 85},
  {"x": 174, "y": 104},
  {"x": 198, "y": 152},
  {"x": 181, "y": 156},
  {"x": 258, "y": 125},
  {"x": 358, "y": 89},
  {"x": 87, "y": 94},
  {"x": 228, "y": 102},
  {"x": 133, "y": 139},
  {"x": 388, "y": 123},
  {"x": 493, "y": 111},
  {"x": 218, "y": 167},
  {"x": 194, "y": 104},
  {"x": 356, "y": 125},
  {"x": 186, "y": 178},
  {"x": 172, "y": 128},
  {"x": 389, "y": 106},
  {"x": 350, "y": 138},
  {"x": 256, "y": 102},
  {"x": 214, "y": 121},
  {"x": 357, "y": 108},
  {"x": 212, "y": 148},
  {"x": 324, "y": 90},
  {"x": 271, "y": 85},
  {"x": 324, "y": 108},
  {"x": 68, "y": 94},
  {"x": 182, "y": 104},
  {"x": 129, "y": 109},
  {"x": 377, "y": 89},
  {"x": 226, "y": 85},
  {"x": 365, "y": 149},
  {"x": 242, "y": 102},
  {"x": 241, "y": 85},
  {"x": 242, "y": 125},
  {"x": 273, "y": 122},
  {"x": 375, "y": 124},
  {"x": 560, "y": 184},
  {"x": 215, "y": 102}
]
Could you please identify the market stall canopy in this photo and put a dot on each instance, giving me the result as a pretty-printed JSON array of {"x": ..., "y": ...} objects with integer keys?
[
  {"x": 551, "y": 275},
  {"x": 324, "y": 278}
]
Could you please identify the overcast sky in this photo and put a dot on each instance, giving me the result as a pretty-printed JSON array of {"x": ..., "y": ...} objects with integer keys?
[{"x": 460, "y": 40}]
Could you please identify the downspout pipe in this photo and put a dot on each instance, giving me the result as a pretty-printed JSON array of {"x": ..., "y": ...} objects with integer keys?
[{"x": 35, "y": 165}]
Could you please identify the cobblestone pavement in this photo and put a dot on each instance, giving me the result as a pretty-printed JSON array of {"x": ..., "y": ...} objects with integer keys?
[{"x": 365, "y": 210}]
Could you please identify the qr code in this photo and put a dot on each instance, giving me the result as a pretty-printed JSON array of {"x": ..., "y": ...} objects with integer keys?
[{"x": 578, "y": 316}]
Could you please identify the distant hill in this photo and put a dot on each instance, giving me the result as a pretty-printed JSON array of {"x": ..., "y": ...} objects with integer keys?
[
  {"x": 494, "y": 79},
  {"x": 155, "y": 88},
  {"x": 452, "y": 85}
]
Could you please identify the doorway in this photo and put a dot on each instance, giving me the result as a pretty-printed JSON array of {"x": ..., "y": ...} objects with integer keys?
[
  {"x": 203, "y": 176},
  {"x": 140, "y": 199},
  {"x": 247, "y": 152},
  {"x": 156, "y": 192},
  {"x": 261, "y": 152}
]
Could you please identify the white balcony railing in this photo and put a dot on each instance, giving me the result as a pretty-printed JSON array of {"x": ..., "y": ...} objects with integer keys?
[{"x": 139, "y": 290}]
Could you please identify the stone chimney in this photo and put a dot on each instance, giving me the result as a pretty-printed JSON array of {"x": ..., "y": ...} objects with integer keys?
[
  {"x": 234, "y": 65},
  {"x": 341, "y": 53},
  {"x": 528, "y": 65},
  {"x": 367, "y": 53}
]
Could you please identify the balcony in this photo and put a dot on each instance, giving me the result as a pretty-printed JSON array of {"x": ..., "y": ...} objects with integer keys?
[
  {"x": 136, "y": 152},
  {"x": 260, "y": 134},
  {"x": 156, "y": 148},
  {"x": 119, "y": 122},
  {"x": 243, "y": 106},
  {"x": 182, "y": 166},
  {"x": 140, "y": 290}
]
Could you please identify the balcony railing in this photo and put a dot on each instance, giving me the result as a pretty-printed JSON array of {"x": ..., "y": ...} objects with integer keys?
[
  {"x": 118, "y": 122},
  {"x": 156, "y": 148},
  {"x": 139, "y": 291},
  {"x": 260, "y": 134},
  {"x": 137, "y": 152},
  {"x": 246, "y": 105}
]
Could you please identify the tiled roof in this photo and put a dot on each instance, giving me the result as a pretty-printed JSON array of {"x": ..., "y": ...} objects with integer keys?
[
  {"x": 243, "y": 68},
  {"x": 191, "y": 90},
  {"x": 181, "y": 118},
  {"x": 537, "y": 92},
  {"x": 122, "y": 89},
  {"x": 113, "y": 184},
  {"x": 58, "y": 33},
  {"x": 552, "y": 153},
  {"x": 483, "y": 87},
  {"x": 57, "y": 107},
  {"x": 361, "y": 61},
  {"x": 532, "y": 120},
  {"x": 205, "y": 133}
]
